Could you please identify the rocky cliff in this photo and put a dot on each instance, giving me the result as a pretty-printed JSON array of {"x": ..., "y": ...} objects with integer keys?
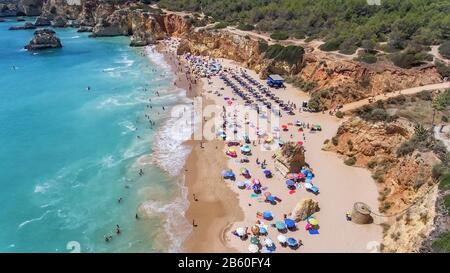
[
  {"x": 407, "y": 189},
  {"x": 350, "y": 80},
  {"x": 20, "y": 7}
]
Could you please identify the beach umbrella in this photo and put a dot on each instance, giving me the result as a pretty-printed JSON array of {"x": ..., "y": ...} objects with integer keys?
[
  {"x": 268, "y": 242},
  {"x": 270, "y": 198},
  {"x": 244, "y": 171},
  {"x": 280, "y": 225},
  {"x": 281, "y": 238},
  {"x": 240, "y": 231},
  {"x": 313, "y": 221},
  {"x": 262, "y": 230},
  {"x": 255, "y": 230},
  {"x": 253, "y": 248},
  {"x": 265, "y": 250},
  {"x": 300, "y": 143},
  {"x": 267, "y": 215},
  {"x": 290, "y": 183},
  {"x": 254, "y": 240},
  {"x": 308, "y": 185},
  {"x": 289, "y": 223},
  {"x": 240, "y": 184},
  {"x": 292, "y": 242},
  {"x": 300, "y": 175},
  {"x": 291, "y": 176},
  {"x": 245, "y": 148},
  {"x": 256, "y": 181}
]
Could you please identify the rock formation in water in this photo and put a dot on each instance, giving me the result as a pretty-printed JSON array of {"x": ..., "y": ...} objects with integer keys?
[
  {"x": 27, "y": 25},
  {"x": 44, "y": 39}
]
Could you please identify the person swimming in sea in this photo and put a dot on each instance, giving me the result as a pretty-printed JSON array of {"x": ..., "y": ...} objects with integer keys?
[{"x": 88, "y": 88}]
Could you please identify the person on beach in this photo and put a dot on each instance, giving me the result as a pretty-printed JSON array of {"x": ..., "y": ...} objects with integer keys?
[
  {"x": 119, "y": 200},
  {"x": 136, "y": 216},
  {"x": 141, "y": 172},
  {"x": 118, "y": 231}
]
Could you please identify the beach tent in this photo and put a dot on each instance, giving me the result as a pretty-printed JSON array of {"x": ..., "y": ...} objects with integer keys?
[{"x": 253, "y": 248}]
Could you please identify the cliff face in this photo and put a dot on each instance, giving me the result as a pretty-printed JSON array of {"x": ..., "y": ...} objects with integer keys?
[
  {"x": 247, "y": 51},
  {"x": 402, "y": 180},
  {"x": 352, "y": 81},
  {"x": 20, "y": 7},
  {"x": 104, "y": 18}
]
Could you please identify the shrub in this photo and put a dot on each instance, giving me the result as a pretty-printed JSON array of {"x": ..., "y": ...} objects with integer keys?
[
  {"x": 335, "y": 141},
  {"x": 279, "y": 35},
  {"x": 263, "y": 45},
  {"x": 442, "y": 243},
  {"x": 425, "y": 95},
  {"x": 444, "y": 184},
  {"x": 372, "y": 164},
  {"x": 245, "y": 27},
  {"x": 406, "y": 148},
  {"x": 447, "y": 202},
  {"x": 339, "y": 114},
  {"x": 291, "y": 54},
  {"x": 444, "y": 49},
  {"x": 350, "y": 161},
  {"x": 220, "y": 25},
  {"x": 331, "y": 45},
  {"x": 367, "y": 58},
  {"x": 378, "y": 176},
  {"x": 444, "y": 119},
  {"x": 442, "y": 68}
]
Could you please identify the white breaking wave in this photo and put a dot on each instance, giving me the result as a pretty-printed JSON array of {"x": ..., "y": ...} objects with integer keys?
[
  {"x": 176, "y": 225},
  {"x": 34, "y": 219},
  {"x": 157, "y": 58}
]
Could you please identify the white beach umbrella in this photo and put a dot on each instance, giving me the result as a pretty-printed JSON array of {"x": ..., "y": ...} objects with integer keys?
[
  {"x": 253, "y": 248},
  {"x": 268, "y": 242},
  {"x": 308, "y": 185},
  {"x": 240, "y": 231},
  {"x": 281, "y": 238}
]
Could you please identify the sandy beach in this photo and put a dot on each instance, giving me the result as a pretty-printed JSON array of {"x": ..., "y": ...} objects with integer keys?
[
  {"x": 221, "y": 206},
  {"x": 215, "y": 207}
]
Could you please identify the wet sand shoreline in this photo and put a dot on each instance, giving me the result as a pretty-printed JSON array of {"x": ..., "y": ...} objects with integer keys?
[{"x": 217, "y": 206}]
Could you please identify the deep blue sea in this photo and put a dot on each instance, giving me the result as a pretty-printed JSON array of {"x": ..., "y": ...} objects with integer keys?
[{"x": 67, "y": 154}]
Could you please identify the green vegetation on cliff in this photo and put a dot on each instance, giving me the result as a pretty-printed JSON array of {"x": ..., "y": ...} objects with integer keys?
[{"x": 344, "y": 24}]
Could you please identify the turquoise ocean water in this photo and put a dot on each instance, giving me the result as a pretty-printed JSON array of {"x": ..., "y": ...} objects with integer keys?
[{"x": 68, "y": 154}]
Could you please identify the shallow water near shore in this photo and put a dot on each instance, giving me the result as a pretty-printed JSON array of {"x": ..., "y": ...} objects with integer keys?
[{"x": 68, "y": 154}]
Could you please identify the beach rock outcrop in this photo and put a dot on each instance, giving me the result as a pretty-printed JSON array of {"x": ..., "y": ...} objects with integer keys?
[
  {"x": 27, "y": 25},
  {"x": 290, "y": 158},
  {"x": 85, "y": 29},
  {"x": 59, "y": 21},
  {"x": 304, "y": 209},
  {"x": 44, "y": 39},
  {"x": 42, "y": 21}
]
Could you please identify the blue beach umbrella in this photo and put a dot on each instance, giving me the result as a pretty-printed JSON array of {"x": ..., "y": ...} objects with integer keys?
[
  {"x": 267, "y": 215},
  {"x": 262, "y": 230},
  {"x": 290, "y": 183},
  {"x": 292, "y": 242},
  {"x": 270, "y": 198},
  {"x": 280, "y": 225},
  {"x": 289, "y": 223}
]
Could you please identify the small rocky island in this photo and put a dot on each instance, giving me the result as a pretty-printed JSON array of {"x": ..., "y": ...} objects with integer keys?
[{"x": 44, "y": 39}]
